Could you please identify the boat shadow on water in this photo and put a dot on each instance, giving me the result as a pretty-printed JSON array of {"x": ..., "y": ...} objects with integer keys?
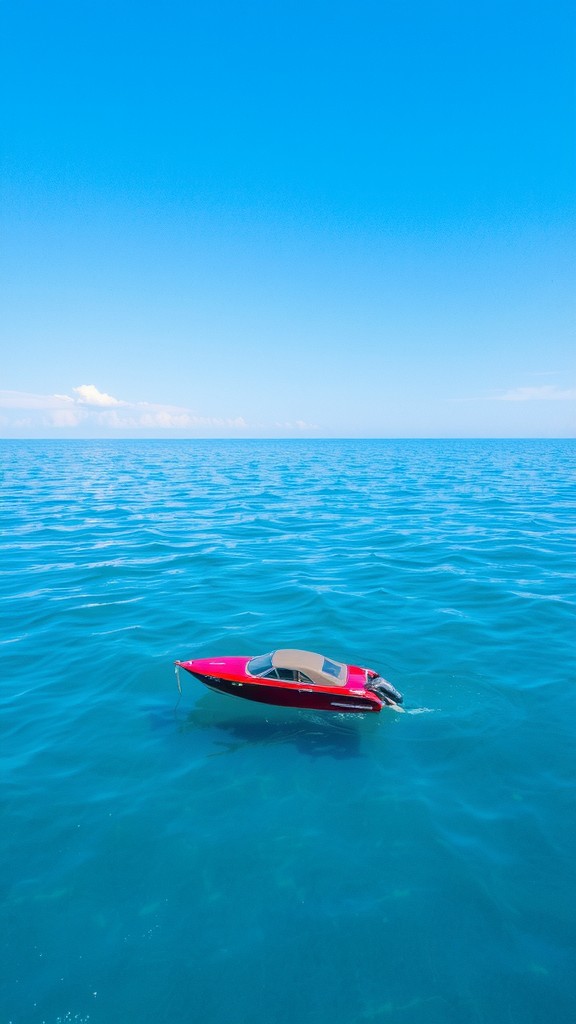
[
  {"x": 313, "y": 738},
  {"x": 311, "y": 733}
]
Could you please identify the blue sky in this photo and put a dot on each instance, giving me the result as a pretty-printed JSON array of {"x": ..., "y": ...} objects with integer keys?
[{"x": 292, "y": 219}]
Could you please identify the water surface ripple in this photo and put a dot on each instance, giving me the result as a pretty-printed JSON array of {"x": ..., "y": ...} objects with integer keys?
[{"x": 224, "y": 862}]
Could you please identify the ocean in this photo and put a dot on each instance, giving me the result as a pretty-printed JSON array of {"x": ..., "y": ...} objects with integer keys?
[{"x": 201, "y": 858}]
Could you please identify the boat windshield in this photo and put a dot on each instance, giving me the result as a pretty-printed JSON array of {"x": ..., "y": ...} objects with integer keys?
[
  {"x": 331, "y": 668},
  {"x": 258, "y": 666}
]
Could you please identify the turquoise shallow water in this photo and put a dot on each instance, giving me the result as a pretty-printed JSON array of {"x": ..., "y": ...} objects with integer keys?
[{"x": 217, "y": 861}]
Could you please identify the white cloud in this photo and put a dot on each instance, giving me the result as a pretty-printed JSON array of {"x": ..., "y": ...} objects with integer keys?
[
  {"x": 90, "y": 410},
  {"x": 22, "y": 400},
  {"x": 65, "y": 418},
  {"x": 297, "y": 425},
  {"x": 88, "y": 394},
  {"x": 544, "y": 393}
]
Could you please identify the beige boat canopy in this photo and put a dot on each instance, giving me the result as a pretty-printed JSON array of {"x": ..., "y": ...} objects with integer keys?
[{"x": 319, "y": 669}]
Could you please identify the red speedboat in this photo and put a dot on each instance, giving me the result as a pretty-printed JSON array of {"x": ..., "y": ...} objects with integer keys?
[{"x": 296, "y": 679}]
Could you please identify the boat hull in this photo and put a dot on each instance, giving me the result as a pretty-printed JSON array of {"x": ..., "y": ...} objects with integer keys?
[{"x": 304, "y": 698}]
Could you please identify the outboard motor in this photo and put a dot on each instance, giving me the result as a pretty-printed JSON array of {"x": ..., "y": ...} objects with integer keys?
[{"x": 385, "y": 690}]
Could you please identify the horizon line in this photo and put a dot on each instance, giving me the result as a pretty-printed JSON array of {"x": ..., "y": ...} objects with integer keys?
[{"x": 418, "y": 437}]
